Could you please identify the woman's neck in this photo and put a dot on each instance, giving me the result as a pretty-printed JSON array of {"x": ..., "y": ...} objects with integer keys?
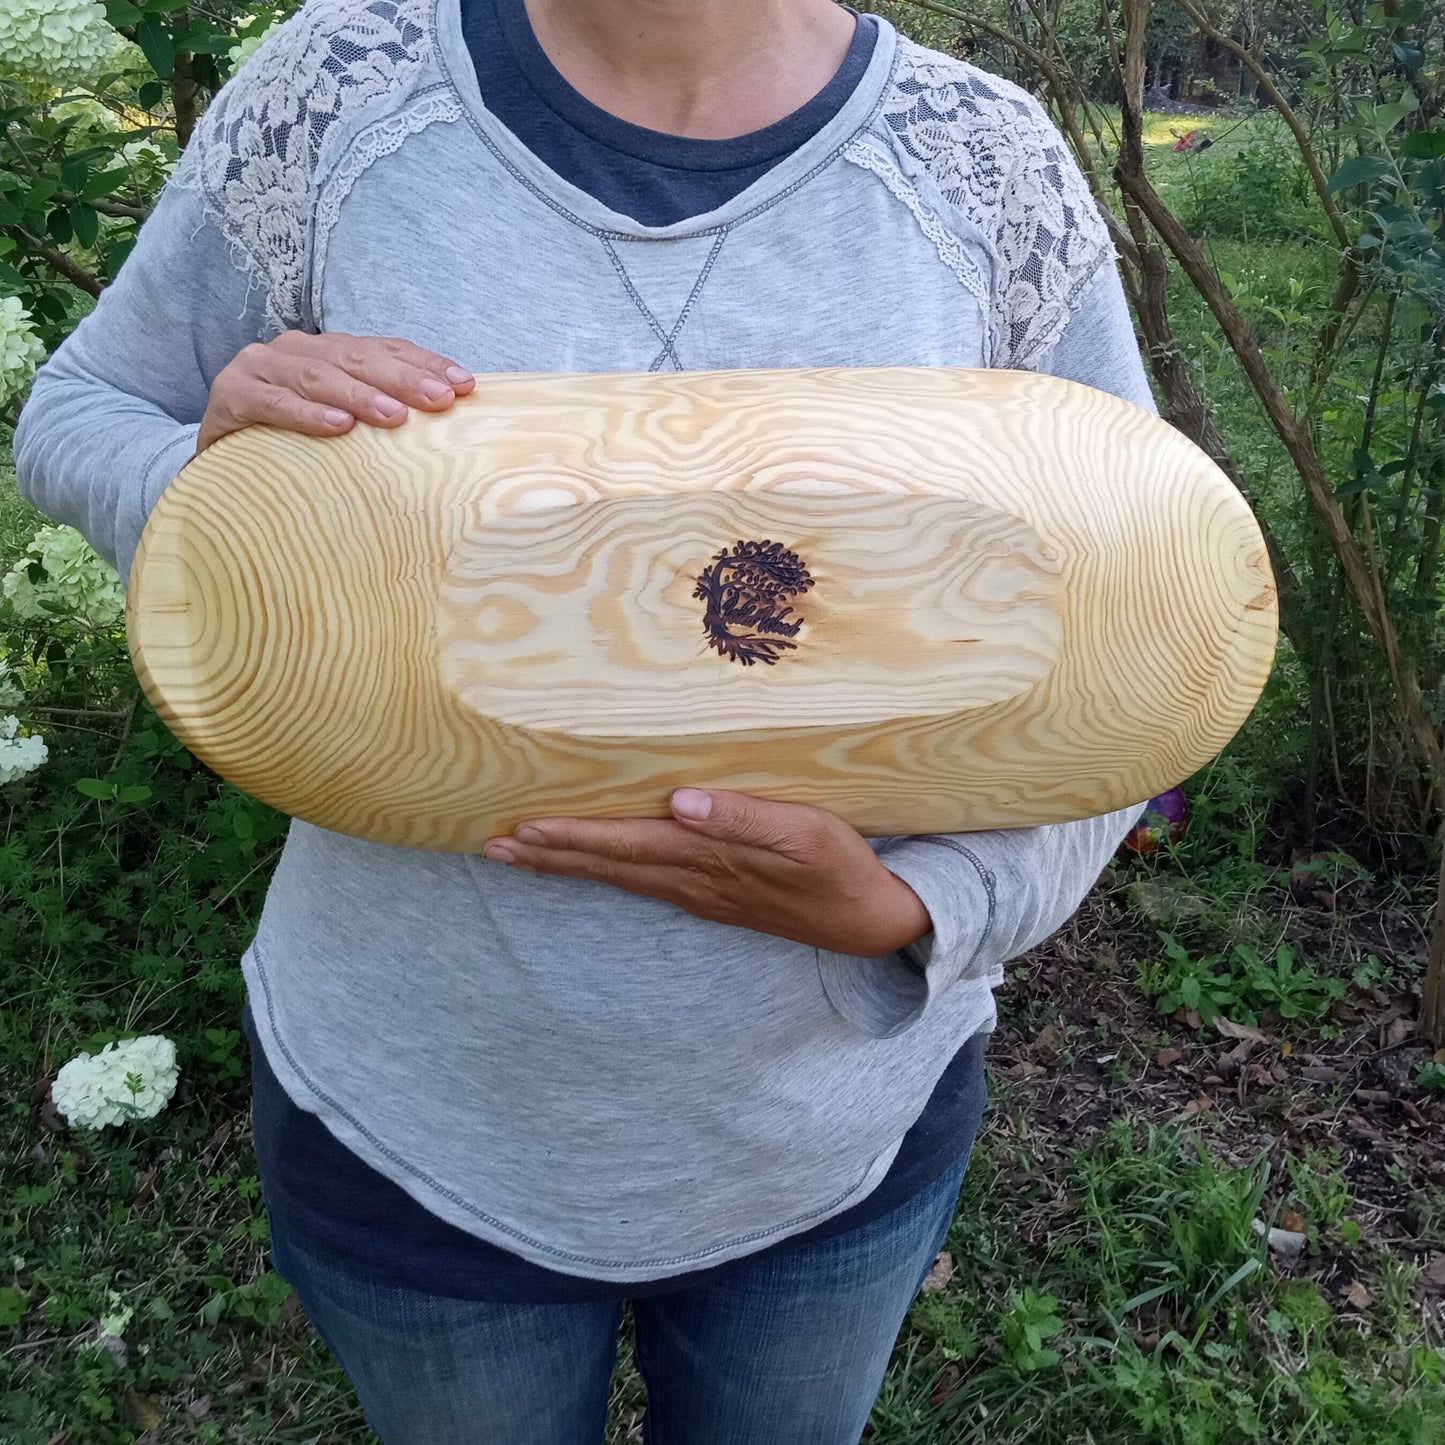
[{"x": 704, "y": 68}]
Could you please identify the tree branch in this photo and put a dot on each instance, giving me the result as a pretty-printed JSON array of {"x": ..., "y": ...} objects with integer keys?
[
  {"x": 68, "y": 267},
  {"x": 1364, "y": 582}
]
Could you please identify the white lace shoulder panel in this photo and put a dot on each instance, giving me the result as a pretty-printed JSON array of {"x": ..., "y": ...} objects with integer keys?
[
  {"x": 256, "y": 151},
  {"x": 993, "y": 154}
]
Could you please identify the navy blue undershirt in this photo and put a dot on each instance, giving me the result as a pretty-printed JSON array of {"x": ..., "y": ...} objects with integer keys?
[
  {"x": 653, "y": 177},
  {"x": 321, "y": 1196}
]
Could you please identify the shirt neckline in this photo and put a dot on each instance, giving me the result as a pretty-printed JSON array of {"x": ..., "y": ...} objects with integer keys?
[
  {"x": 591, "y": 214},
  {"x": 686, "y": 153}
]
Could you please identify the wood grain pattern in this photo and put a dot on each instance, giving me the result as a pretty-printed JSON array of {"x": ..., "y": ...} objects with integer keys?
[{"x": 1025, "y": 601}]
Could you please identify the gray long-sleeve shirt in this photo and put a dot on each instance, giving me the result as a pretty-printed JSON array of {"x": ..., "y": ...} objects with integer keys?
[{"x": 596, "y": 1081}]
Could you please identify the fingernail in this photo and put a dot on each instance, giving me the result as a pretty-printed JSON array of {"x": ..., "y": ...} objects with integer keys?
[
  {"x": 337, "y": 418},
  {"x": 497, "y": 853},
  {"x": 531, "y": 837},
  {"x": 692, "y": 803},
  {"x": 457, "y": 376},
  {"x": 389, "y": 406},
  {"x": 434, "y": 390}
]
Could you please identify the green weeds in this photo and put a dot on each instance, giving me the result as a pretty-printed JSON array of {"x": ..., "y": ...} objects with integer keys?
[{"x": 1242, "y": 984}]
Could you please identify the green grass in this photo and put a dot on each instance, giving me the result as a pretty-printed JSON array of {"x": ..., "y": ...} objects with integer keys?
[
  {"x": 1162, "y": 1318},
  {"x": 1139, "y": 1304}
]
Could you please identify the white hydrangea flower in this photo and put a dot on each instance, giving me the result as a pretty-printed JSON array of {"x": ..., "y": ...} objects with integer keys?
[
  {"x": 60, "y": 41},
  {"x": 76, "y": 580},
  {"x": 147, "y": 159},
  {"x": 89, "y": 115},
  {"x": 133, "y": 1079},
  {"x": 243, "y": 50},
  {"x": 21, "y": 350},
  {"x": 10, "y": 690},
  {"x": 18, "y": 755}
]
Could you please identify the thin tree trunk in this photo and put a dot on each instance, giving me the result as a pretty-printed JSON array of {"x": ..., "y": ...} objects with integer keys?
[
  {"x": 185, "y": 92},
  {"x": 1432, "y": 1003}
]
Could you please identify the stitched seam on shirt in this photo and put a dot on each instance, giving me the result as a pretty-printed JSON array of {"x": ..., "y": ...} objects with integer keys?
[
  {"x": 554, "y": 205},
  {"x": 986, "y": 877},
  {"x": 671, "y": 347},
  {"x": 637, "y": 300},
  {"x": 160, "y": 451},
  {"x": 668, "y": 338},
  {"x": 450, "y": 1195}
]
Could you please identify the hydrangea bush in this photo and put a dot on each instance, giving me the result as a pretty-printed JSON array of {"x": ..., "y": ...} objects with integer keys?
[
  {"x": 98, "y": 98},
  {"x": 60, "y": 574},
  {"x": 60, "y": 579},
  {"x": 128, "y": 872},
  {"x": 21, "y": 350},
  {"x": 62, "y": 42},
  {"x": 19, "y": 753}
]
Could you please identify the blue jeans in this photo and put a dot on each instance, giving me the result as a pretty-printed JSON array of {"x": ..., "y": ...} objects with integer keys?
[{"x": 786, "y": 1349}]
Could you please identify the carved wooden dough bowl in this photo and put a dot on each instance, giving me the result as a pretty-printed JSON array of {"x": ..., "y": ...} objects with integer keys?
[{"x": 932, "y": 600}]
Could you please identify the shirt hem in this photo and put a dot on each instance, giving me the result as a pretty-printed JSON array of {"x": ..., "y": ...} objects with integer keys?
[{"x": 444, "y": 1202}]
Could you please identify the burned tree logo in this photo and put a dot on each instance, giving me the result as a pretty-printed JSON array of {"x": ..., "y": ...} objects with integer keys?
[{"x": 746, "y": 591}]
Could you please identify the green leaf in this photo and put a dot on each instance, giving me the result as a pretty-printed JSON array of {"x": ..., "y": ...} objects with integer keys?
[
  {"x": 12, "y": 1305},
  {"x": 85, "y": 223},
  {"x": 134, "y": 793},
  {"x": 74, "y": 168},
  {"x": 157, "y": 45},
  {"x": 1357, "y": 170},
  {"x": 58, "y": 224},
  {"x": 151, "y": 94},
  {"x": 41, "y": 189},
  {"x": 1387, "y": 117},
  {"x": 103, "y": 183},
  {"x": 1423, "y": 145},
  {"x": 94, "y": 788}
]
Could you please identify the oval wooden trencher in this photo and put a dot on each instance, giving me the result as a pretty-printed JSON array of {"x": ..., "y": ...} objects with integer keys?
[{"x": 931, "y": 600}]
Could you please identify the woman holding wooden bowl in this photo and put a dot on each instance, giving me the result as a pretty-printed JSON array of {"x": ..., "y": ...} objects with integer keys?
[{"x": 724, "y": 1066}]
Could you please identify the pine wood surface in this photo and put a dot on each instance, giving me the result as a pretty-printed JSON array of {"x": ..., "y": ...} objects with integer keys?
[{"x": 992, "y": 599}]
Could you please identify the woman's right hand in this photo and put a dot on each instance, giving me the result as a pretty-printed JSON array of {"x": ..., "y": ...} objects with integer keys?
[{"x": 323, "y": 385}]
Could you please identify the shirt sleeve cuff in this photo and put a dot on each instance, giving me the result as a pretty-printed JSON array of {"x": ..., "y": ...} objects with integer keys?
[{"x": 883, "y": 997}]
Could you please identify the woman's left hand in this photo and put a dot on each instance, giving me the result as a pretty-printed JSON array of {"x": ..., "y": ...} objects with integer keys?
[{"x": 783, "y": 868}]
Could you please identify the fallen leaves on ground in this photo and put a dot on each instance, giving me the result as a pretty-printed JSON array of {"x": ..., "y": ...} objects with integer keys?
[
  {"x": 1232, "y": 1030},
  {"x": 940, "y": 1273},
  {"x": 949, "y": 1379}
]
